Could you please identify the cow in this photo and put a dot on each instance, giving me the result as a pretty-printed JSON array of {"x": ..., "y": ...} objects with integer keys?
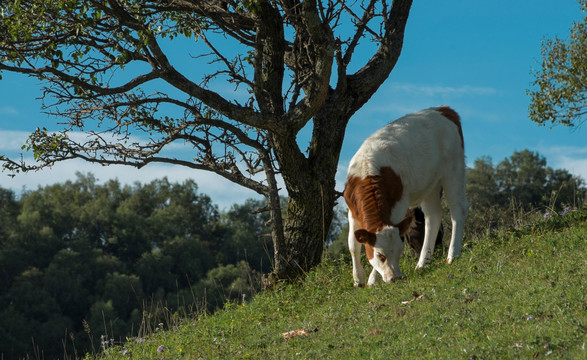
[{"x": 401, "y": 166}]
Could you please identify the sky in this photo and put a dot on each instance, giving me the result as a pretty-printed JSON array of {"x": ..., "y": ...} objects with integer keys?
[{"x": 476, "y": 56}]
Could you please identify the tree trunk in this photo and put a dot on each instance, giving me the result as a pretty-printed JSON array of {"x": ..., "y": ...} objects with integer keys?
[
  {"x": 310, "y": 182},
  {"x": 309, "y": 214},
  {"x": 308, "y": 219}
]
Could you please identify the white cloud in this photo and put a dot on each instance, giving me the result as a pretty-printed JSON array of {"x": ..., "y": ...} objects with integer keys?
[
  {"x": 398, "y": 99},
  {"x": 439, "y": 90},
  {"x": 341, "y": 173},
  {"x": 12, "y": 140},
  {"x": 571, "y": 158},
  {"x": 8, "y": 110},
  {"x": 222, "y": 192},
  {"x": 574, "y": 165}
]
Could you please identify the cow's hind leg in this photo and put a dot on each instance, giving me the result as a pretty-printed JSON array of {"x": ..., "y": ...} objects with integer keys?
[
  {"x": 432, "y": 215},
  {"x": 457, "y": 204}
]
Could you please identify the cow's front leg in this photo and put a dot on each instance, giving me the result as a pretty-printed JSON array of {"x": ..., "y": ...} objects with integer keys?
[
  {"x": 355, "y": 250},
  {"x": 358, "y": 271},
  {"x": 373, "y": 278}
]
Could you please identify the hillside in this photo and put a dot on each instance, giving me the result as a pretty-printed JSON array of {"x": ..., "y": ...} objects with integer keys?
[{"x": 513, "y": 294}]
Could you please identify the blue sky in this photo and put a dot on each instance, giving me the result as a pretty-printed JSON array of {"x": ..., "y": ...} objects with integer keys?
[{"x": 476, "y": 56}]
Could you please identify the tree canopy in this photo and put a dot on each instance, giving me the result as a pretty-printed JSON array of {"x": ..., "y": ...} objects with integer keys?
[
  {"x": 559, "y": 94},
  {"x": 520, "y": 184},
  {"x": 80, "y": 260},
  {"x": 129, "y": 80}
]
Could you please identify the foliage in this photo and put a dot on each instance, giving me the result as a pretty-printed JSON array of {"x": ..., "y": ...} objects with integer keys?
[
  {"x": 559, "y": 95},
  {"x": 511, "y": 295},
  {"x": 130, "y": 80},
  {"x": 81, "y": 263},
  {"x": 500, "y": 195},
  {"x": 246, "y": 223}
]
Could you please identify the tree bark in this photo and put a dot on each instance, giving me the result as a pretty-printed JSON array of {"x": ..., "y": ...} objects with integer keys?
[{"x": 310, "y": 182}]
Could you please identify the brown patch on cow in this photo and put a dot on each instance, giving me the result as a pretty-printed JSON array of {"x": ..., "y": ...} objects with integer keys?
[
  {"x": 452, "y": 115},
  {"x": 372, "y": 198},
  {"x": 365, "y": 237},
  {"x": 368, "y": 239},
  {"x": 369, "y": 251}
]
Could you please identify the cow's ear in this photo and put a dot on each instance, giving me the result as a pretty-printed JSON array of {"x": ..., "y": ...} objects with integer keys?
[{"x": 365, "y": 237}]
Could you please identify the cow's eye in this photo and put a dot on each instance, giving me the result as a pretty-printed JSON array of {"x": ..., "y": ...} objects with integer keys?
[{"x": 381, "y": 257}]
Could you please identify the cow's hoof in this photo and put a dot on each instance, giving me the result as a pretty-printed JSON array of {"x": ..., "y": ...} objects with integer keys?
[{"x": 420, "y": 267}]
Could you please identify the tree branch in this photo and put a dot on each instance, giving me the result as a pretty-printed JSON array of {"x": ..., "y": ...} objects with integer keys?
[{"x": 367, "y": 80}]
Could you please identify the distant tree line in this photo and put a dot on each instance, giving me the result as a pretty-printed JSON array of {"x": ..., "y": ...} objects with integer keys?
[
  {"x": 502, "y": 194},
  {"x": 82, "y": 262}
]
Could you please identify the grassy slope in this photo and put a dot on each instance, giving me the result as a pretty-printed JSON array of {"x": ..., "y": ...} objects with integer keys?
[{"x": 517, "y": 294}]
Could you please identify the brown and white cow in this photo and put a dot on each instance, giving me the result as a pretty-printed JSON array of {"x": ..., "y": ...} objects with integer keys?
[{"x": 404, "y": 165}]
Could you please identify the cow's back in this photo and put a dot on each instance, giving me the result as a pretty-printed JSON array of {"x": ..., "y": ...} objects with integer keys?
[{"x": 424, "y": 142}]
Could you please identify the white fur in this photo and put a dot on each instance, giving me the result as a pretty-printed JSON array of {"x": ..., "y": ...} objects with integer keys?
[{"x": 426, "y": 151}]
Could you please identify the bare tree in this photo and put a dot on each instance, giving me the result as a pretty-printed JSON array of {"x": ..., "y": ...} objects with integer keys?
[{"x": 109, "y": 75}]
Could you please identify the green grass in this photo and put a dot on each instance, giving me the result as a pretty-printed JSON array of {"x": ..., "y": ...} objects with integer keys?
[{"x": 513, "y": 294}]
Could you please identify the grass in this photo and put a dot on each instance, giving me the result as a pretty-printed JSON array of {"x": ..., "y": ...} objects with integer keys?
[{"x": 513, "y": 294}]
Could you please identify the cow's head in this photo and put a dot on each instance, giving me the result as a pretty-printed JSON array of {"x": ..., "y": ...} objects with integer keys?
[
  {"x": 371, "y": 200},
  {"x": 384, "y": 250}
]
